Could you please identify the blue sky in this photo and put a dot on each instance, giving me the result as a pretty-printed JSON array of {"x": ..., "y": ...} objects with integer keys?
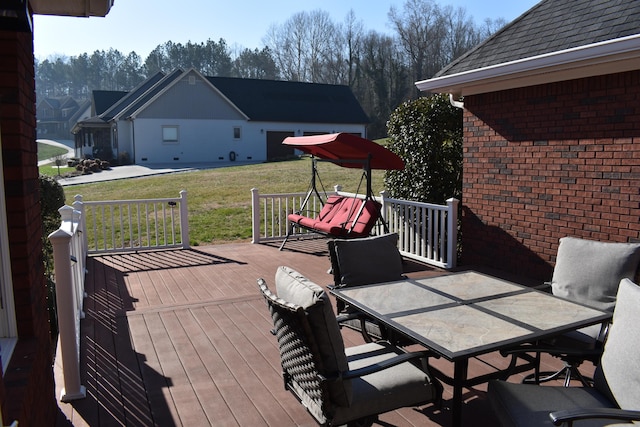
[{"x": 141, "y": 25}]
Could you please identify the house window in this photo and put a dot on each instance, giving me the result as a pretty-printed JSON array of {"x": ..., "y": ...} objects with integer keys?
[
  {"x": 236, "y": 132},
  {"x": 8, "y": 328},
  {"x": 170, "y": 134}
]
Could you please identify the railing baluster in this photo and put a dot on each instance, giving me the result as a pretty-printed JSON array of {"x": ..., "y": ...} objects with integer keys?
[
  {"x": 126, "y": 224},
  {"x": 427, "y": 232}
]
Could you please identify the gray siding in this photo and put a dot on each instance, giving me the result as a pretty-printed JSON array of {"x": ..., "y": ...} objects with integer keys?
[{"x": 194, "y": 99}]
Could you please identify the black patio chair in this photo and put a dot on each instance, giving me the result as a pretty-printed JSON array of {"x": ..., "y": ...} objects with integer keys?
[
  {"x": 616, "y": 391},
  {"x": 587, "y": 272},
  {"x": 337, "y": 385},
  {"x": 365, "y": 261}
]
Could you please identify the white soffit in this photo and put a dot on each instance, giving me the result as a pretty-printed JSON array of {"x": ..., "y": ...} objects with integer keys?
[
  {"x": 611, "y": 56},
  {"x": 83, "y": 8}
]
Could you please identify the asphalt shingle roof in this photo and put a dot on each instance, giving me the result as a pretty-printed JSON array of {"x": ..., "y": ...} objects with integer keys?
[
  {"x": 282, "y": 101},
  {"x": 551, "y": 26},
  {"x": 103, "y": 99}
]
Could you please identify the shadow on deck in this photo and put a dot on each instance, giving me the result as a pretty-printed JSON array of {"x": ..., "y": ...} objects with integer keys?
[{"x": 181, "y": 337}]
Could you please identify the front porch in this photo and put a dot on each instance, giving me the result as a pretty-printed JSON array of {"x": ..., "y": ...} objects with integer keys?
[{"x": 181, "y": 337}]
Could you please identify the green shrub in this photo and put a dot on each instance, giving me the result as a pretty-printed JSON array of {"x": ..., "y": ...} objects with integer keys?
[
  {"x": 51, "y": 199},
  {"x": 427, "y": 134}
]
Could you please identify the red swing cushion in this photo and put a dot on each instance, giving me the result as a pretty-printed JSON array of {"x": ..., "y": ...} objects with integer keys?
[{"x": 339, "y": 217}]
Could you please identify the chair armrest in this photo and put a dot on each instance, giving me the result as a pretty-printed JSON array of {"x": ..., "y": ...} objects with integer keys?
[
  {"x": 385, "y": 364},
  {"x": 349, "y": 316},
  {"x": 377, "y": 367},
  {"x": 590, "y": 354},
  {"x": 570, "y": 415},
  {"x": 544, "y": 287}
]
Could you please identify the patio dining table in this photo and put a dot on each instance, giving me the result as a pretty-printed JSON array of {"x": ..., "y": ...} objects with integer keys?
[{"x": 462, "y": 315}]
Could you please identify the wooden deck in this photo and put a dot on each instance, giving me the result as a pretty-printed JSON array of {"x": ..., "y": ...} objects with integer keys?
[{"x": 181, "y": 338}]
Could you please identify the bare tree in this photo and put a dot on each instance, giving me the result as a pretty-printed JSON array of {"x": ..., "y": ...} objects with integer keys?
[
  {"x": 421, "y": 30},
  {"x": 301, "y": 45},
  {"x": 383, "y": 81}
]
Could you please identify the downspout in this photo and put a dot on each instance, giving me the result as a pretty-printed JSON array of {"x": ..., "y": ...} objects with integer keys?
[
  {"x": 457, "y": 104},
  {"x": 133, "y": 142}
]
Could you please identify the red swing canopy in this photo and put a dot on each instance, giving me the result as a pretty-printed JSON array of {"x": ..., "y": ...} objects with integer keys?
[{"x": 345, "y": 146}]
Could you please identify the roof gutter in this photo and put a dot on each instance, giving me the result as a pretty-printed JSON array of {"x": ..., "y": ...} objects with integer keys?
[{"x": 611, "y": 56}]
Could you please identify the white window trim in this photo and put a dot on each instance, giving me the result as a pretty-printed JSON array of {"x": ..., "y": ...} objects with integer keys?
[{"x": 171, "y": 141}]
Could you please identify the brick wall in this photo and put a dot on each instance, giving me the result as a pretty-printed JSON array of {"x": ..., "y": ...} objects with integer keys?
[
  {"x": 549, "y": 161},
  {"x": 27, "y": 390}
]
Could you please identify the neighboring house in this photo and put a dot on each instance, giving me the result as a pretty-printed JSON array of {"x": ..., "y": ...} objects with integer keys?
[
  {"x": 27, "y": 389},
  {"x": 551, "y": 133},
  {"x": 56, "y": 116},
  {"x": 185, "y": 117}
]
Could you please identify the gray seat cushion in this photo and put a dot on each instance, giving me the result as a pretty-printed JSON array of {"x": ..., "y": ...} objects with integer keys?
[
  {"x": 589, "y": 272},
  {"x": 528, "y": 405},
  {"x": 617, "y": 378},
  {"x": 620, "y": 361},
  {"x": 293, "y": 287},
  {"x": 399, "y": 386}
]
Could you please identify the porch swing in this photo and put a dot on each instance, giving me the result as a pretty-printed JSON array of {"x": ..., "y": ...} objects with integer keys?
[{"x": 342, "y": 216}]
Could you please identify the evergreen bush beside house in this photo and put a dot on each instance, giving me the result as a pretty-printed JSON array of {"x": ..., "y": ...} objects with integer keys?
[
  {"x": 51, "y": 199},
  {"x": 427, "y": 134}
]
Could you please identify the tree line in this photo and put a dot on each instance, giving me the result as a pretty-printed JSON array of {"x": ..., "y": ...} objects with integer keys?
[{"x": 380, "y": 68}]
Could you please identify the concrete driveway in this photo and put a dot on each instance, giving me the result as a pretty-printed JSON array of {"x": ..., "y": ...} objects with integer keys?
[{"x": 129, "y": 171}]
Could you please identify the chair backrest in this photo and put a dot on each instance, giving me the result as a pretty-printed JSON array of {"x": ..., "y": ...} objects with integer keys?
[
  {"x": 618, "y": 374},
  {"x": 589, "y": 272},
  {"x": 330, "y": 208},
  {"x": 299, "y": 359},
  {"x": 359, "y": 216},
  {"x": 295, "y": 289},
  {"x": 365, "y": 260}
]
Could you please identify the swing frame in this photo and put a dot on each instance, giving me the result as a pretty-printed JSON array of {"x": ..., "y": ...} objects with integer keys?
[{"x": 345, "y": 150}]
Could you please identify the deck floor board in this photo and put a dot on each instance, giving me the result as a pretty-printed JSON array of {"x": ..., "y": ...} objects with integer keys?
[{"x": 181, "y": 337}]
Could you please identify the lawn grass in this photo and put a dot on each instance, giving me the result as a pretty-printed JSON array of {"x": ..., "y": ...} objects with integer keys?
[
  {"x": 53, "y": 170},
  {"x": 48, "y": 151},
  {"x": 219, "y": 200}
]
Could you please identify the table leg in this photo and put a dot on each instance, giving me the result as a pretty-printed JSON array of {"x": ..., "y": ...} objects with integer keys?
[{"x": 460, "y": 370}]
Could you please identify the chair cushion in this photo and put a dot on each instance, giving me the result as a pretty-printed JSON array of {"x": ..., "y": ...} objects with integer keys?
[
  {"x": 589, "y": 272},
  {"x": 620, "y": 362},
  {"x": 529, "y": 405},
  {"x": 293, "y": 287},
  {"x": 331, "y": 206},
  {"x": 386, "y": 390},
  {"x": 368, "y": 260}
]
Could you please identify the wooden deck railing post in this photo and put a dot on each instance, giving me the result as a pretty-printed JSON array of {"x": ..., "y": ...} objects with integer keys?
[
  {"x": 452, "y": 232},
  {"x": 255, "y": 216},
  {"x": 67, "y": 316},
  {"x": 184, "y": 220}
]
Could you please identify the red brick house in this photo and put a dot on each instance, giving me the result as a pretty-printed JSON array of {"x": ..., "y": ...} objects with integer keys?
[
  {"x": 551, "y": 133},
  {"x": 27, "y": 391}
]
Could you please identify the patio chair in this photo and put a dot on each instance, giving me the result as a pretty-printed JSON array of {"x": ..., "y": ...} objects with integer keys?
[
  {"x": 364, "y": 261},
  {"x": 616, "y": 391},
  {"x": 587, "y": 272},
  {"x": 337, "y": 385}
]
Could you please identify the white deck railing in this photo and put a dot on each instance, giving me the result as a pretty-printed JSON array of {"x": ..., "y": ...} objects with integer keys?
[
  {"x": 69, "y": 256},
  {"x": 427, "y": 232},
  {"x": 104, "y": 227},
  {"x": 126, "y": 225}
]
